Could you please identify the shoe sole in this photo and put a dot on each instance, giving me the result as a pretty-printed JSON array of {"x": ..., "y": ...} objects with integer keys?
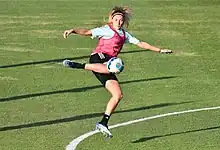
[
  {"x": 108, "y": 135},
  {"x": 65, "y": 64}
]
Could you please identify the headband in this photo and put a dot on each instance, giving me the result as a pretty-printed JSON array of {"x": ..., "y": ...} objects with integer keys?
[{"x": 117, "y": 13}]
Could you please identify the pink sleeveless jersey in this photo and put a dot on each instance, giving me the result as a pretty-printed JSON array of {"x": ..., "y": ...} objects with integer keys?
[{"x": 111, "y": 46}]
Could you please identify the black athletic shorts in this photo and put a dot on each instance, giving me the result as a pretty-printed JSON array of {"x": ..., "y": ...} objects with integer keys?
[{"x": 102, "y": 58}]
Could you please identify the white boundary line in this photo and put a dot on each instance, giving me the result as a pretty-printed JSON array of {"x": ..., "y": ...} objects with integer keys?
[{"x": 72, "y": 145}]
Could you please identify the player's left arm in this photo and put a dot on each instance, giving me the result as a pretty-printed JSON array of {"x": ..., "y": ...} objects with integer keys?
[
  {"x": 147, "y": 46},
  {"x": 131, "y": 39}
]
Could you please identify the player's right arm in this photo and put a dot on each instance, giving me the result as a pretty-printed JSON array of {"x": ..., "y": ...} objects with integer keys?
[
  {"x": 99, "y": 32},
  {"x": 83, "y": 32}
]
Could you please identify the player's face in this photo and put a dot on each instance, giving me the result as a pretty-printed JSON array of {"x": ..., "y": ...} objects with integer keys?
[{"x": 117, "y": 21}]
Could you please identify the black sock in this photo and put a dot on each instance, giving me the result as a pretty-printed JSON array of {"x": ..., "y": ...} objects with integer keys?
[
  {"x": 105, "y": 119},
  {"x": 79, "y": 65}
]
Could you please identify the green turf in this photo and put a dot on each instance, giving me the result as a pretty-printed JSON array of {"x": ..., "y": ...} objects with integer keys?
[{"x": 45, "y": 106}]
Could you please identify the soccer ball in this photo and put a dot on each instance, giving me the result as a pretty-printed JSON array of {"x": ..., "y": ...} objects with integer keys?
[{"x": 115, "y": 65}]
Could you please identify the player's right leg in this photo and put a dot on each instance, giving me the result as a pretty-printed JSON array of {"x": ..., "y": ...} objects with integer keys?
[
  {"x": 96, "y": 67},
  {"x": 71, "y": 64}
]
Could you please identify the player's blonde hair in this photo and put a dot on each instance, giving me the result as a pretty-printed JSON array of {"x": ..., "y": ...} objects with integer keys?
[{"x": 119, "y": 10}]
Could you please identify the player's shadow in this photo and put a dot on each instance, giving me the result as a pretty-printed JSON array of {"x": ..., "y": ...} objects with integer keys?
[
  {"x": 85, "y": 116},
  {"x": 81, "y": 89},
  {"x": 59, "y": 60},
  {"x": 145, "y": 139}
]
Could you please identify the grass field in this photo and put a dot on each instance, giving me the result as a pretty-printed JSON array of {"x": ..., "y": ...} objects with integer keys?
[{"x": 44, "y": 106}]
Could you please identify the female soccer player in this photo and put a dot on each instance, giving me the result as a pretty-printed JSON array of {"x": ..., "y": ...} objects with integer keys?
[{"x": 112, "y": 37}]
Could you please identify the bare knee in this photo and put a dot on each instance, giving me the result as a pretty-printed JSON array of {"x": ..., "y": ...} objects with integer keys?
[
  {"x": 114, "y": 88},
  {"x": 117, "y": 96}
]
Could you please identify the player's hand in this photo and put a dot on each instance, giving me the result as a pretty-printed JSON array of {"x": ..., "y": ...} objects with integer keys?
[
  {"x": 166, "y": 51},
  {"x": 66, "y": 33}
]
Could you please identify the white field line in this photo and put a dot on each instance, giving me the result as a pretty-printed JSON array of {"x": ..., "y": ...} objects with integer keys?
[
  {"x": 8, "y": 78},
  {"x": 72, "y": 145}
]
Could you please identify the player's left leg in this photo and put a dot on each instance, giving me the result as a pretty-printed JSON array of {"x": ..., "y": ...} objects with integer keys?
[{"x": 115, "y": 90}]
